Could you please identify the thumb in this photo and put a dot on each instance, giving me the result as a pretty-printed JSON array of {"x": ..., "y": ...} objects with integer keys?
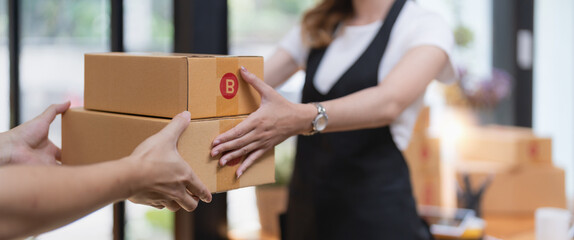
[
  {"x": 260, "y": 86},
  {"x": 53, "y": 110},
  {"x": 177, "y": 125}
]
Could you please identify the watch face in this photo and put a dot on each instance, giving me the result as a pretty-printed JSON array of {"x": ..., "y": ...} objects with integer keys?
[{"x": 321, "y": 122}]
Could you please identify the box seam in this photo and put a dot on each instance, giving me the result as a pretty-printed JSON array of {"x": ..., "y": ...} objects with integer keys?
[{"x": 164, "y": 118}]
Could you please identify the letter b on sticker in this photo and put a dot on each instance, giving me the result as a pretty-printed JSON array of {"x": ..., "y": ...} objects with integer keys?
[{"x": 228, "y": 85}]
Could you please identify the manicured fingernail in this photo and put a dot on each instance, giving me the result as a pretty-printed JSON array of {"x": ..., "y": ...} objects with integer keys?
[
  {"x": 223, "y": 162},
  {"x": 216, "y": 142},
  {"x": 243, "y": 69},
  {"x": 215, "y": 153},
  {"x": 186, "y": 114},
  {"x": 239, "y": 173},
  {"x": 205, "y": 200}
]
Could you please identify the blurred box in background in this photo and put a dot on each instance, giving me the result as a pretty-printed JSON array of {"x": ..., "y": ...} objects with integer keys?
[
  {"x": 517, "y": 191},
  {"x": 514, "y": 145},
  {"x": 432, "y": 179},
  {"x": 520, "y": 165}
]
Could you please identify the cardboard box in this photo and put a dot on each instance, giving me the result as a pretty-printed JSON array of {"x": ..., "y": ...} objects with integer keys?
[
  {"x": 92, "y": 136},
  {"x": 423, "y": 120},
  {"x": 434, "y": 186},
  {"x": 516, "y": 190},
  {"x": 427, "y": 187},
  {"x": 432, "y": 180},
  {"x": 422, "y": 153},
  {"x": 511, "y": 145},
  {"x": 164, "y": 85}
]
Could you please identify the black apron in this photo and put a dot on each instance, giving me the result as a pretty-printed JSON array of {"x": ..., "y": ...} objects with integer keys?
[{"x": 353, "y": 184}]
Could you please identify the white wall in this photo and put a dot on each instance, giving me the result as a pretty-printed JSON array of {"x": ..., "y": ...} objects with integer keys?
[{"x": 554, "y": 80}]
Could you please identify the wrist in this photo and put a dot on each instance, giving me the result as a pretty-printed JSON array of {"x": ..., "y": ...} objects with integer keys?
[
  {"x": 132, "y": 176},
  {"x": 6, "y": 147},
  {"x": 306, "y": 114}
]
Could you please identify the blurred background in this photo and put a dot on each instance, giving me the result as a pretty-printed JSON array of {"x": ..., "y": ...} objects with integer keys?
[{"x": 515, "y": 60}]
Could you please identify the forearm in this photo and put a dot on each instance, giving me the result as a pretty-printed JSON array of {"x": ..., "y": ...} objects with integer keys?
[
  {"x": 380, "y": 105},
  {"x": 279, "y": 67},
  {"x": 364, "y": 109},
  {"x": 370, "y": 108},
  {"x": 35, "y": 199}
]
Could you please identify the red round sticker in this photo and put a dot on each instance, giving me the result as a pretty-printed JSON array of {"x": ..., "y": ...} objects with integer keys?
[{"x": 228, "y": 85}]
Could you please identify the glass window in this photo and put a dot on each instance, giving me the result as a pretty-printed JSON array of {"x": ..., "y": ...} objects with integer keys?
[
  {"x": 259, "y": 33},
  {"x": 148, "y": 25},
  {"x": 55, "y": 36},
  {"x": 4, "y": 68},
  {"x": 148, "y": 28},
  {"x": 145, "y": 222},
  {"x": 471, "y": 23},
  {"x": 255, "y": 28},
  {"x": 472, "y": 20}
]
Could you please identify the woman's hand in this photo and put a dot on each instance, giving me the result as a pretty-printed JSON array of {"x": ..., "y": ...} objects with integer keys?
[
  {"x": 29, "y": 143},
  {"x": 164, "y": 178},
  {"x": 274, "y": 121}
]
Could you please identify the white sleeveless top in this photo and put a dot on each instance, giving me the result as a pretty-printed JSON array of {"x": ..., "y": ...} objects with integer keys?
[{"x": 414, "y": 27}]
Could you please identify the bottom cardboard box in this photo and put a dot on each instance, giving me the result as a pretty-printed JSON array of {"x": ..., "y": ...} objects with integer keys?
[
  {"x": 434, "y": 186},
  {"x": 432, "y": 180},
  {"x": 92, "y": 136}
]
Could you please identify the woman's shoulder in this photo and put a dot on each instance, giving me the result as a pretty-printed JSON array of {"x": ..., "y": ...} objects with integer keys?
[
  {"x": 417, "y": 15},
  {"x": 293, "y": 43},
  {"x": 418, "y": 25}
]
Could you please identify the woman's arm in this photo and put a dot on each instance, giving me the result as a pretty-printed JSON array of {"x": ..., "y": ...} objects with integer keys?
[
  {"x": 277, "y": 119},
  {"x": 279, "y": 67},
  {"x": 381, "y": 105},
  {"x": 38, "y": 198}
]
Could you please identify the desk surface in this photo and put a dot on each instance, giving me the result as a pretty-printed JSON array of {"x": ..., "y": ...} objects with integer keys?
[
  {"x": 510, "y": 227},
  {"x": 501, "y": 227}
]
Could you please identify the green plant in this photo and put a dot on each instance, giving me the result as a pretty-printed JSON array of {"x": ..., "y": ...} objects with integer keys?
[
  {"x": 161, "y": 219},
  {"x": 463, "y": 36}
]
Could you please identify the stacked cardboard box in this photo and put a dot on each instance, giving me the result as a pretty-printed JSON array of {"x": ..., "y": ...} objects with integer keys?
[
  {"x": 514, "y": 146},
  {"x": 129, "y": 97},
  {"x": 520, "y": 165},
  {"x": 430, "y": 177}
]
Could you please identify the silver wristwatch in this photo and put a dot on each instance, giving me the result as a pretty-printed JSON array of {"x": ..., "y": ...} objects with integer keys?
[{"x": 320, "y": 122}]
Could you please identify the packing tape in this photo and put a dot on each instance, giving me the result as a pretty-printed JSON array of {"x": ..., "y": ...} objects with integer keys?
[
  {"x": 226, "y": 178},
  {"x": 230, "y": 81}
]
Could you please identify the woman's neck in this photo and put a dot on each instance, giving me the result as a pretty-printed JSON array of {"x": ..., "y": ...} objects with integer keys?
[{"x": 368, "y": 11}]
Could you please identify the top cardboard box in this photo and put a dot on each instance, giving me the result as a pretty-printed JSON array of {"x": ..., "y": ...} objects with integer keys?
[
  {"x": 163, "y": 85},
  {"x": 514, "y": 146}
]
